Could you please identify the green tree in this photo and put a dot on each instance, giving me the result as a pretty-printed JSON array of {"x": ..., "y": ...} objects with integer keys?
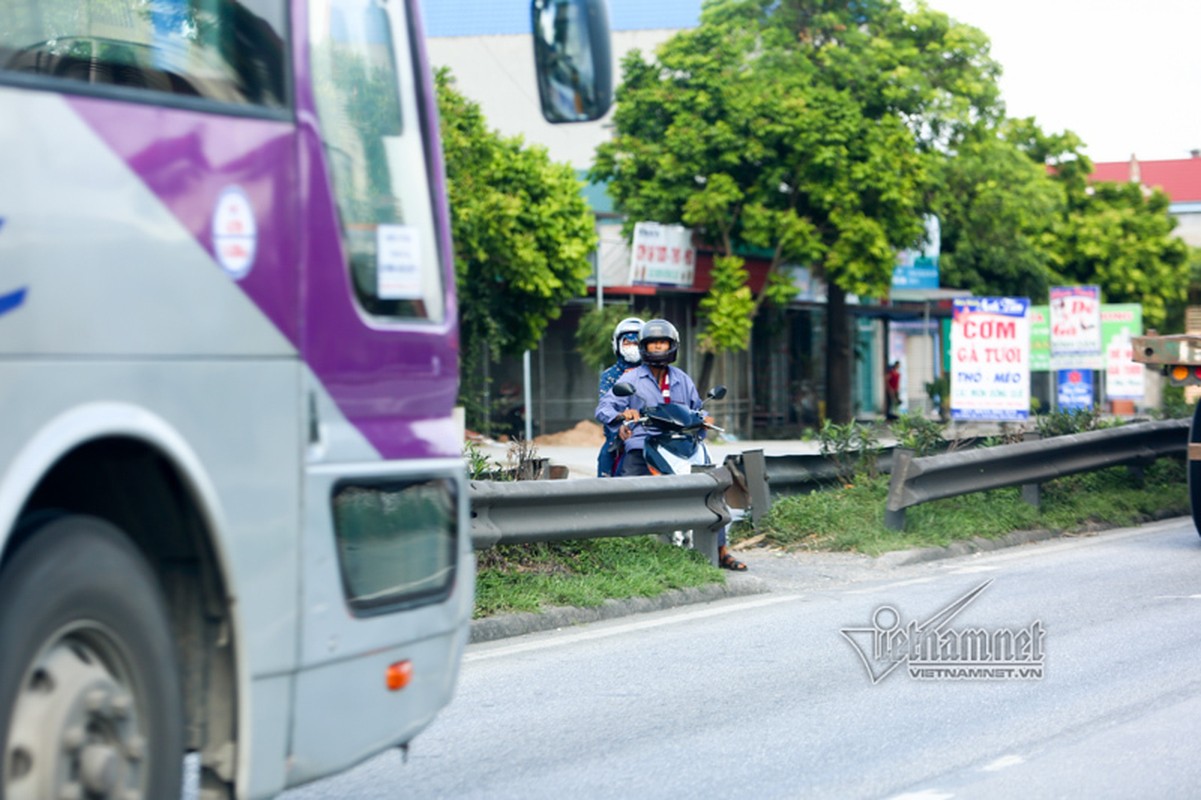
[
  {"x": 997, "y": 207},
  {"x": 1020, "y": 214},
  {"x": 594, "y": 336},
  {"x": 522, "y": 234},
  {"x": 799, "y": 128},
  {"x": 1119, "y": 237}
]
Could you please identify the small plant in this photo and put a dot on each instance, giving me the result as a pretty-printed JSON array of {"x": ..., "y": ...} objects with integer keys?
[
  {"x": 852, "y": 447},
  {"x": 481, "y": 466},
  {"x": 939, "y": 392},
  {"x": 523, "y": 460},
  {"x": 1174, "y": 404},
  {"x": 1063, "y": 423},
  {"x": 921, "y": 435},
  {"x": 1010, "y": 434}
]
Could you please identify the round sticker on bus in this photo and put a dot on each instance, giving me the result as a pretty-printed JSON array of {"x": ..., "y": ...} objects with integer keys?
[{"x": 235, "y": 234}]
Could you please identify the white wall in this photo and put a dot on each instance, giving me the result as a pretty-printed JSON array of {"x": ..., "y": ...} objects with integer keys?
[{"x": 498, "y": 73}]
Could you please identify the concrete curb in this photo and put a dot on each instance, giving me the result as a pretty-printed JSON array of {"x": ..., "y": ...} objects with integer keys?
[
  {"x": 965, "y": 547},
  {"x": 506, "y": 625}
]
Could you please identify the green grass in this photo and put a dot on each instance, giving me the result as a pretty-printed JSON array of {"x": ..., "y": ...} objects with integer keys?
[
  {"x": 851, "y": 518},
  {"x": 584, "y": 573}
]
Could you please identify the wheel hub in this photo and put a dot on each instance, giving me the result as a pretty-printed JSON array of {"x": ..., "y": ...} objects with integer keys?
[{"x": 74, "y": 733}]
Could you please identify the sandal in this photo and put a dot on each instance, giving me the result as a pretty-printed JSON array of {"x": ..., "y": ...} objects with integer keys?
[{"x": 729, "y": 562}]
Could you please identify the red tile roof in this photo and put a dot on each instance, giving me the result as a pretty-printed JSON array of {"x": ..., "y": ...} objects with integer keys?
[{"x": 1179, "y": 178}]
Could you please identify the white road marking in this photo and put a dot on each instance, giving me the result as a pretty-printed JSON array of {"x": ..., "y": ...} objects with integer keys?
[
  {"x": 887, "y": 586},
  {"x": 1002, "y": 763},
  {"x": 556, "y": 639}
]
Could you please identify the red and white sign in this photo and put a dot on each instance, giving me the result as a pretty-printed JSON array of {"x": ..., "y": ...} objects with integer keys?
[
  {"x": 235, "y": 232},
  {"x": 662, "y": 255},
  {"x": 990, "y": 359},
  {"x": 1076, "y": 327},
  {"x": 1124, "y": 379}
]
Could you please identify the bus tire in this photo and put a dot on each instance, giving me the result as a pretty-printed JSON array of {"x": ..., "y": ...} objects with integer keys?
[{"x": 90, "y": 697}]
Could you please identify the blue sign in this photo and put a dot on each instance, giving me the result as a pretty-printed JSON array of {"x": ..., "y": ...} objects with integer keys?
[
  {"x": 1075, "y": 389},
  {"x": 921, "y": 274},
  {"x": 918, "y": 269}
]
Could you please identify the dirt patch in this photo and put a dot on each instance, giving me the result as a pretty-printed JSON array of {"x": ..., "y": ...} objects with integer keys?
[{"x": 584, "y": 434}]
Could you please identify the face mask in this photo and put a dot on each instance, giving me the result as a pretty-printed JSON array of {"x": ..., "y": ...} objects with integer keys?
[{"x": 630, "y": 353}]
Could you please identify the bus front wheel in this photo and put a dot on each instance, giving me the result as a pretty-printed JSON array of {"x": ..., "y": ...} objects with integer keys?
[{"x": 90, "y": 698}]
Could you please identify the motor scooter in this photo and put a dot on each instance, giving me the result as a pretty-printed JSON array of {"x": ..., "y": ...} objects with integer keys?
[{"x": 673, "y": 439}]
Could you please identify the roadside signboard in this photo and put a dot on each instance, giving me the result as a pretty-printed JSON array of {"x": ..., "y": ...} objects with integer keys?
[
  {"x": 1075, "y": 389},
  {"x": 662, "y": 255},
  {"x": 990, "y": 359},
  {"x": 1124, "y": 378},
  {"x": 918, "y": 269},
  {"x": 1075, "y": 317}
]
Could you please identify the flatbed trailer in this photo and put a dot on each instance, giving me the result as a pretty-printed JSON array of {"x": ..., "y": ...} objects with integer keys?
[{"x": 1178, "y": 356}]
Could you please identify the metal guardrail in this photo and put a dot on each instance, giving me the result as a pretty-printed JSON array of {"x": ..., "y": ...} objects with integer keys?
[
  {"x": 919, "y": 480},
  {"x": 521, "y": 512},
  {"x": 797, "y": 474}
]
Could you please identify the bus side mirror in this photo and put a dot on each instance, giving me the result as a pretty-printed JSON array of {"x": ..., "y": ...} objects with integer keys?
[{"x": 572, "y": 59}]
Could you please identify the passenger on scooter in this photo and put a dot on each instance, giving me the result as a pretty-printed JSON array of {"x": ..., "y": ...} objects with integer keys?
[
  {"x": 625, "y": 347},
  {"x": 655, "y": 382}
]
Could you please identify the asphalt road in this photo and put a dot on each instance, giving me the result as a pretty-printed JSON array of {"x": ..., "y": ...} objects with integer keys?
[{"x": 764, "y": 696}]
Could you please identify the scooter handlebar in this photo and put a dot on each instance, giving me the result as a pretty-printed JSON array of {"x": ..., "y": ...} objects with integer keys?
[{"x": 637, "y": 420}]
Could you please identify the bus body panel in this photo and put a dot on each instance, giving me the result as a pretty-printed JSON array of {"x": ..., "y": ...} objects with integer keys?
[
  {"x": 245, "y": 468},
  {"x": 104, "y": 265},
  {"x": 192, "y": 161},
  {"x": 341, "y": 684}
]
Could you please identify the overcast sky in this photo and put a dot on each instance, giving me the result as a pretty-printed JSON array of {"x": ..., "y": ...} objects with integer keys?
[{"x": 1125, "y": 76}]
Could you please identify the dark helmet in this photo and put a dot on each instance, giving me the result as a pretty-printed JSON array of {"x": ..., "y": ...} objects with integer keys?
[
  {"x": 628, "y": 325},
  {"x": 658, "y": 329}
]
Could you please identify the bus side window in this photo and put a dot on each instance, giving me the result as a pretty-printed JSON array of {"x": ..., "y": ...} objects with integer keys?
[
  {"x": 365, "y": 88},
  {"x": 219, "y": 50}
]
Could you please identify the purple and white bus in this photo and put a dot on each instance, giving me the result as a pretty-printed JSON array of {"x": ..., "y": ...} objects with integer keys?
[{"x": 233, "y": 511}]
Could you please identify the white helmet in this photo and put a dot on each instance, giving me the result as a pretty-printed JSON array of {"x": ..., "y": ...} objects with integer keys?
[{"x": 628, "y": 325}]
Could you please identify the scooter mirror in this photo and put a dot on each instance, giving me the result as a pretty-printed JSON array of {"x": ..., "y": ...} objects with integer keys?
[
  {"x": 624, "y": 389},
  {"x": 717, "y": 393}
]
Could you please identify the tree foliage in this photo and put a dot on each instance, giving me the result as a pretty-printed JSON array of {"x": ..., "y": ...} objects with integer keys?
[
  {"x": 997, "y": 207},
  {"x": 1020, "y": 215},
  {"x": 594, "y": 336},
  {"x": 797, "y": 127},
  {"x": 1120, "y": 239},
  {"x": 522, "y": 234}
]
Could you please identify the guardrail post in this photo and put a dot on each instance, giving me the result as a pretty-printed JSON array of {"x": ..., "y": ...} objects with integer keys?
[
  {"x": 894, "y": 517},
  {"x": 705, "y": 542},
  {"x": 1031, "y": 492},
  {"x": 754, "y": 467}
]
